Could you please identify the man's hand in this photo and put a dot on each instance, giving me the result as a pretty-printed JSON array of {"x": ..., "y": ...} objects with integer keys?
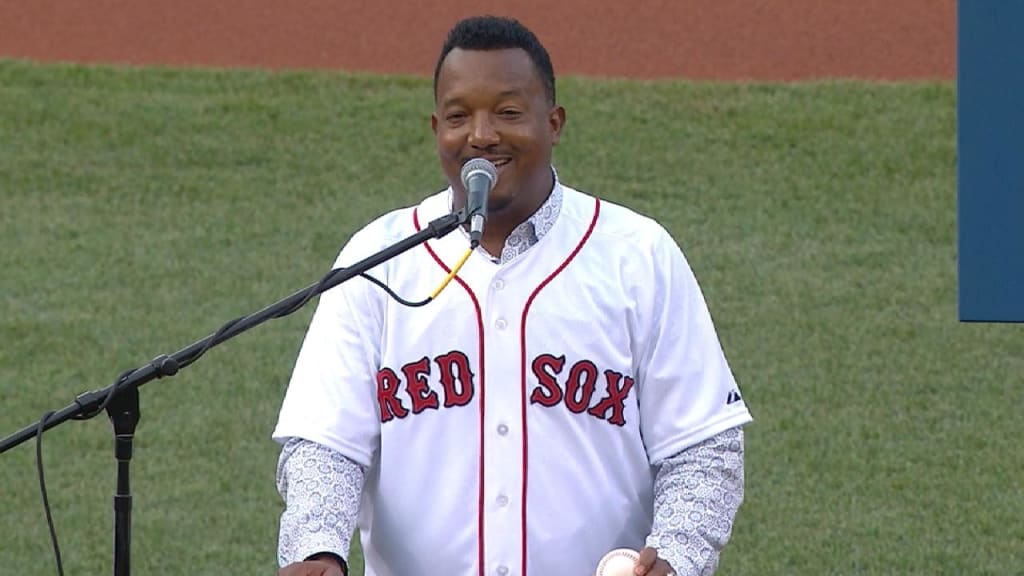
[
  {"x": 321, "y": 566},
  {"x": 650, "y": 565}
]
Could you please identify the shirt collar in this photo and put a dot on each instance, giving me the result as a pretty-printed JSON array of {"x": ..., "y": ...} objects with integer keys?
[{"x": 530, "y": 231}]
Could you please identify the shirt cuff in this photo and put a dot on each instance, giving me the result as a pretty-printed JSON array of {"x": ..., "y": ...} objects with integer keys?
[
  {"x": 697, "y": 493},
  {"x": 321, "y": 489}
]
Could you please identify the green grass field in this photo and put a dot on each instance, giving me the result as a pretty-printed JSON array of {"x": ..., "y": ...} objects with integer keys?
[{"x": 139, "y": 209}]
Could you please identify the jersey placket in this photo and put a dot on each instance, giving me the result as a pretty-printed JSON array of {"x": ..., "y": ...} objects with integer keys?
[{"x": 503, "y": 439}]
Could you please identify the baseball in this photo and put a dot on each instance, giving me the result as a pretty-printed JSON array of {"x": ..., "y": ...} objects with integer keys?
[{"x": 618, "y": 562}]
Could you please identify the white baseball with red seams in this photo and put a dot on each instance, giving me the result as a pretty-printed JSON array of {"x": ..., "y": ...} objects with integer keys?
[
  {"x": 618, "y": 562},
  {"x": 513, "y": 426}
]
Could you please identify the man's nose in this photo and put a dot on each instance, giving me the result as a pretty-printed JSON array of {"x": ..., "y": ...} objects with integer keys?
[{"x": 482, "y": 133}]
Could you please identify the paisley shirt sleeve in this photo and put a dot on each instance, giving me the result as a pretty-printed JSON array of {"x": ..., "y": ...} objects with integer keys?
[
  {"x": 321, "y": 489},
  {"x": 696, "y": 496}
]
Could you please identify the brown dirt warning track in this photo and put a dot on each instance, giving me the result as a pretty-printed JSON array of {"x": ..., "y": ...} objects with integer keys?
[{"x": 696, "y": 39}]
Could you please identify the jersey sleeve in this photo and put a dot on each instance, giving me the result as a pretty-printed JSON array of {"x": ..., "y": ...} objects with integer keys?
[
  {"x": 331, "y": 397},
  {"x": 687, "y": 391}
]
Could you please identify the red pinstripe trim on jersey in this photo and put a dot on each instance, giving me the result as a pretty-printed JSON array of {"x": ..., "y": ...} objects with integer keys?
[
  {"x": 480, "y": 331},
  {"x": 522, "y": 350}
]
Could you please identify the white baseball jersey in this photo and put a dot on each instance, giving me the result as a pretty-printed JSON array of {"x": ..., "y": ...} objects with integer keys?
[{"x": 513, "y": 425}]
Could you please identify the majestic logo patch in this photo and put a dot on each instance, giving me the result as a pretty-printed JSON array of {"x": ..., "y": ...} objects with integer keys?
[{"x": 733, "y": 397}]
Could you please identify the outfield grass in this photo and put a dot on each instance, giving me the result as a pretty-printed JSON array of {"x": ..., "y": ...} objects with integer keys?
[{"x": 141, "y": 208}]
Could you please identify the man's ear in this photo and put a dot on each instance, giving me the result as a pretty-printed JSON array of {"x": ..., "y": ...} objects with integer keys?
[{"x": 556, "y": 121}]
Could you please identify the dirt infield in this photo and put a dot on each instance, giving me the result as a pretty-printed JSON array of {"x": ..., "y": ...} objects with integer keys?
[{"x": 699, "y": 39}]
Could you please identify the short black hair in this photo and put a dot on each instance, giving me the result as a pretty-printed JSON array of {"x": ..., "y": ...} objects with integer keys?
[{"x": 498, "y": 33}]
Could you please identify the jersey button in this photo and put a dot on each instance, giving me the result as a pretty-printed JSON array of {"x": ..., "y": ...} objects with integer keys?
[
  {"x": 499, "y": 284},
  {"x": 502, "y": 500},
  {"x": 500, "y": 324},
  {"x": 502, "y": 570},
  {"x": 502, "y": 429}
]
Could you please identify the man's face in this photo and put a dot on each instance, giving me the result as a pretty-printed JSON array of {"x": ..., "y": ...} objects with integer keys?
[{"x": 492, "y": 104}]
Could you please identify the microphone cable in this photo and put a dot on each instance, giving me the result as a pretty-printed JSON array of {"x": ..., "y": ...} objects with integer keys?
[
  {"x": 433, "y": 295},
  {"x": 42, "y": 488},
  {"x": 444, "y": 283}
]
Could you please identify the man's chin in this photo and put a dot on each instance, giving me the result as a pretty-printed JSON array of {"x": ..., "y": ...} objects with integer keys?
[{"x": 497, "y": 205}]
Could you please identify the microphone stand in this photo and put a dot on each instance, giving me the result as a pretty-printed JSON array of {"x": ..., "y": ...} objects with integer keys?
[{"x": 121, "y": 399}]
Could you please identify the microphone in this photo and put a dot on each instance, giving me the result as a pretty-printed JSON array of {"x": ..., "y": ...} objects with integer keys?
[{"x": 478, "y": 177}]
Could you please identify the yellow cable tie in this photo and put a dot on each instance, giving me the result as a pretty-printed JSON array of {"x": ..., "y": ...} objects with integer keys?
[{"x": 452, "y": 274}]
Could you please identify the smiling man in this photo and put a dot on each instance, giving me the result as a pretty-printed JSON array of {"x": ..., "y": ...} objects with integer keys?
[
  {"x": 566, "y": 397},
  {"x": 500, "y": 105}
]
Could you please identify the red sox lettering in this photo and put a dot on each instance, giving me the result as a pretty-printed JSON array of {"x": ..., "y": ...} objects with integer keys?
[
  {"x": 579, "y": 388},
  {"x": 456, "y": 385},
  {"x": 456, "y": 380}
]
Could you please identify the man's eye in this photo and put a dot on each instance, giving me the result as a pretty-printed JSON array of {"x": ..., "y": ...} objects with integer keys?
[
  {"x": 455, "y": 116},
  {"x": 510, "y": 112}
]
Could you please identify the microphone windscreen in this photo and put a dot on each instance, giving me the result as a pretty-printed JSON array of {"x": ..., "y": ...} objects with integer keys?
[{"x": 479, "y": 165}]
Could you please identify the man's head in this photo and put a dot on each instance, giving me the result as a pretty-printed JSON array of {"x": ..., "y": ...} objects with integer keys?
[
  {"x": 494, "y": 96},
  {"x": 494, "y": 33}
]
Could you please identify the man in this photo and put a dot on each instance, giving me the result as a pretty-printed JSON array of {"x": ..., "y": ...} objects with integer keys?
[{"x": 565, "y": 397}]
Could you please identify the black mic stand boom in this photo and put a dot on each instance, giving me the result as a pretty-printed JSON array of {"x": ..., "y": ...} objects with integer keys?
[{"x": 121, "y": 399}]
